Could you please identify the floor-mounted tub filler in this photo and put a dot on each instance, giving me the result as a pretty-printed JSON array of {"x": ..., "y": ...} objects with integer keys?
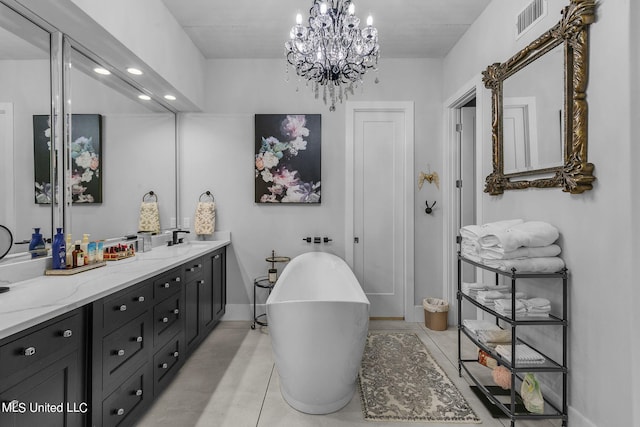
[{"x": 318, "y": 322}]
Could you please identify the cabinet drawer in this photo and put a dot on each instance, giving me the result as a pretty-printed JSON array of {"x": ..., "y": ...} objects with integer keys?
[
  {"x": 125, "y": 306},
  {"x": 193, "y": 269},
  {"x": 167, "y": 284},
  {"x": 57, "y": 338},
  {"x": 166, "y": 363},
  {"x": 128, "y": 400},
  {"x": 166, "y": 319},
  {"x": 126, "y": 348}
]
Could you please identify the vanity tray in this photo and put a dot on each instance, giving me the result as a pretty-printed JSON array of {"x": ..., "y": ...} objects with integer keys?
[
  {"x": 70, "y": 271},
  {"x": 117, "y": 256}
]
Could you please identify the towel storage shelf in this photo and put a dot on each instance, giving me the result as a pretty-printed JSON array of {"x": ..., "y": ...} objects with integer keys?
[{"x": 513, "y": 408}]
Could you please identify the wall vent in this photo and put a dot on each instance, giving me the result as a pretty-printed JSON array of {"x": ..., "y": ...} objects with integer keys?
[{"x": 530, "y": 15}]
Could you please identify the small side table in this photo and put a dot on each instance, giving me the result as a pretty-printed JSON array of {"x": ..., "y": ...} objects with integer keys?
[{"x": 260, "y": 282}]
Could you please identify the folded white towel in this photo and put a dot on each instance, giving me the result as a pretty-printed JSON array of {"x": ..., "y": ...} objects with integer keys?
[
  {"x": 490, "y": 295},
  {"x": 536, "y": 302},
  {"x": 525, "y": 355},
  {"x": 527, "y": 265},
  {"x": 476, "y": 325},
  {"x": 531, "y": 233},
  {"x": 475, "y": 232},
  {"x": 479, "y": 286},
  {"x": 504, "y": 306},
  {"x": 497, "y": 252}
]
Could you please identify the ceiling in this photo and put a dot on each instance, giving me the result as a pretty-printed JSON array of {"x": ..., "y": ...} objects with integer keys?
[{"x": 259, "y": 28}]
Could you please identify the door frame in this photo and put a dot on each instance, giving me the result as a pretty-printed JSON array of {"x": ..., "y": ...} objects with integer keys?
[
  {"x": 408, "y": 264},
  {"x": 451, "y": 154}
]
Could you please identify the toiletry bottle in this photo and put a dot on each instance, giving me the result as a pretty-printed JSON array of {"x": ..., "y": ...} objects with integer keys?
[
  {"x": 100, "y": 251},
  {"x": 36, "y": 246},
  {"x": 92, "y": 252},
  {"x": 59, "y": 251},
  {"x": 70, "y": 249},
  {"x": 78, "y": 255},
  {"x": 85, "y": 248}
]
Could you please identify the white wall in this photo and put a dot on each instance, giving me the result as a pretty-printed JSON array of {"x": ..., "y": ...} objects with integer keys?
[
  {"x": 217, "y": 153},
  {"x": 595, "y": 226}
]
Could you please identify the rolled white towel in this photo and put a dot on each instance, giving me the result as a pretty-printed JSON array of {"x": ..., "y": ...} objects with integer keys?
[
  {"x": 527, "y": 265},
  {"x": 497, "y": 252},
  {"x": 531, "y": 234},
  {"x": 475, "y": 232}
]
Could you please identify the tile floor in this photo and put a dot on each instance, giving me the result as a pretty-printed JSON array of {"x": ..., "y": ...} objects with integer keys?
[{"x": 231, "y": 381}]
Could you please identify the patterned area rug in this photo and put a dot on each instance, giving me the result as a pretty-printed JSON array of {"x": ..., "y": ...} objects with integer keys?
[{"x": 400, "y": 381}]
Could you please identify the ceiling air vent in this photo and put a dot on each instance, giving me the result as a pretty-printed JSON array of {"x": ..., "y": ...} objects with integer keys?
[{"x": 531, "y": 14}]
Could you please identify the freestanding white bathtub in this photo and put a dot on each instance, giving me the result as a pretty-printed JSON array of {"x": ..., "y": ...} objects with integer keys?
[{"x": 318, "y": 322}]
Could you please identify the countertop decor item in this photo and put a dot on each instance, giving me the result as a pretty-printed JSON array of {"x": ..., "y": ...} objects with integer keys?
[{"x": 332, "y": 51}]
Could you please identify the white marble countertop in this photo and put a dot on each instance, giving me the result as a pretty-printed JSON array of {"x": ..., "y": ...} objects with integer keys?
[{"x": 34, "y": 301}]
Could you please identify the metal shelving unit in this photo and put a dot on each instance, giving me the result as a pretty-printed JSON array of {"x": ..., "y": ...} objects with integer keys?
[{"x": 512, "y": 409}]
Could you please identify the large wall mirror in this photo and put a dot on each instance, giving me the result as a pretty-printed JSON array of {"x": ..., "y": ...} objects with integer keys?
[
  {"x": 539, "y": 109},
  {"x": 119, "y": 147},
  {"x": 25, "y": 91}
]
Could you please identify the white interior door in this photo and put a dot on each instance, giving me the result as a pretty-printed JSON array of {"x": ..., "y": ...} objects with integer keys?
[{"x": 380, "y": 208}]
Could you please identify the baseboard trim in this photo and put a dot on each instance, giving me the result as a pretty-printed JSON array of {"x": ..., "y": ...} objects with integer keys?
[{"x": 241, "y": 311}]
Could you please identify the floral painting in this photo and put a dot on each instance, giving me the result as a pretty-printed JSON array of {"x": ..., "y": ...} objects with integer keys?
[
  {"x": 86, "y": 153},
  {"x": 287, "y": 158}
]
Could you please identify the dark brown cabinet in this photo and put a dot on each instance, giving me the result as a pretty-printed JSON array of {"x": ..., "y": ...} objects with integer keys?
[{"x": 42, "y": 371}]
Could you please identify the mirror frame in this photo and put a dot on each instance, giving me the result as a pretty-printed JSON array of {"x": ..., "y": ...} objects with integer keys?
[{"x": 576, "y": 174}]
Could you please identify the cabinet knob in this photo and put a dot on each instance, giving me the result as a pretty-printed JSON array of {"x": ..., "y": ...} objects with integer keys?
[
  {"x": 67, "y": 333},
  {"x": 199, "y": 265},
  {"x": 120, "y": 352},
  {"x": 138, "y": 392},
  {"x": 29, "y": 351},
  {"x": 176, "y": 311},
  {"x": 191, "y": 269},
  {"x": 140, "y": 299},
  {"x": 176, "y": 354},
  {"x": 165, "y": 320},
  {"x": 177, "y": 279},
  {"x": 164, "y": 366},
  {"x": 166, "y": 285},
  {"x": 138, "y": 339},
  {"x": 201, "y": 282},
  {"x": 123, "y": 307},
  {"x": 217, "y": 256},
  {"x": 120, "y": 411}
]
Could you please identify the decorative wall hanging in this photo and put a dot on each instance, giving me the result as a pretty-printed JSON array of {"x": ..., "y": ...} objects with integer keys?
[
  {"x": 86, "y": 153},
  {"x": 287, "y": 158}
]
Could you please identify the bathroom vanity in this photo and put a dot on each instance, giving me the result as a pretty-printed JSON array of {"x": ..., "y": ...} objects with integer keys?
[{"x": 98, "y": 347}]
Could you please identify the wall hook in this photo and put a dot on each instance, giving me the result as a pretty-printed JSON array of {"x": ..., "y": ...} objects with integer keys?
[{"x": 429, "y": 209}]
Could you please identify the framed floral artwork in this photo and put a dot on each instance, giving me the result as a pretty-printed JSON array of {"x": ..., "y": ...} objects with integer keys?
[
  {"x": 287, "y": 158},
  {"x": 86, "y": 157}
]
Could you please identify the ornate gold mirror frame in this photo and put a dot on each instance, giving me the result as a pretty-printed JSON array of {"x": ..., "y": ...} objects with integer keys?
[{"x": 576, "y": 174}]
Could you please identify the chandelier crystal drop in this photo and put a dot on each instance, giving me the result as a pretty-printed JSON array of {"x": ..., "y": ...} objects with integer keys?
[{"x": 332, "y": 51}]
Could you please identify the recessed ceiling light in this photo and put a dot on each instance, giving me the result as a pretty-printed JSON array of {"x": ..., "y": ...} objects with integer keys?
[
  {"x": 102, "y": 71},
  {"x": 144, "y": 97},
  {"x": 134, "y": 71},
  {"x": 170, "y": 97}
]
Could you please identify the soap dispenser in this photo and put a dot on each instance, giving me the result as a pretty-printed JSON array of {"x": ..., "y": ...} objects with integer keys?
[
  {"x": 59, "y": 251},
  {"x": 85, "y": 248},
  {"x": 70, "y": 249},
  {"x": 36, "y": 246}
]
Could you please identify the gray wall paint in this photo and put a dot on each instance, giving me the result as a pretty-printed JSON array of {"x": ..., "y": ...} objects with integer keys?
[{"x": 595, "y": 226}]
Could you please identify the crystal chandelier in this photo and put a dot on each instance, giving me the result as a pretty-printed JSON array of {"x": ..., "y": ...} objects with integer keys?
[{"x": 332, "y": 51}]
